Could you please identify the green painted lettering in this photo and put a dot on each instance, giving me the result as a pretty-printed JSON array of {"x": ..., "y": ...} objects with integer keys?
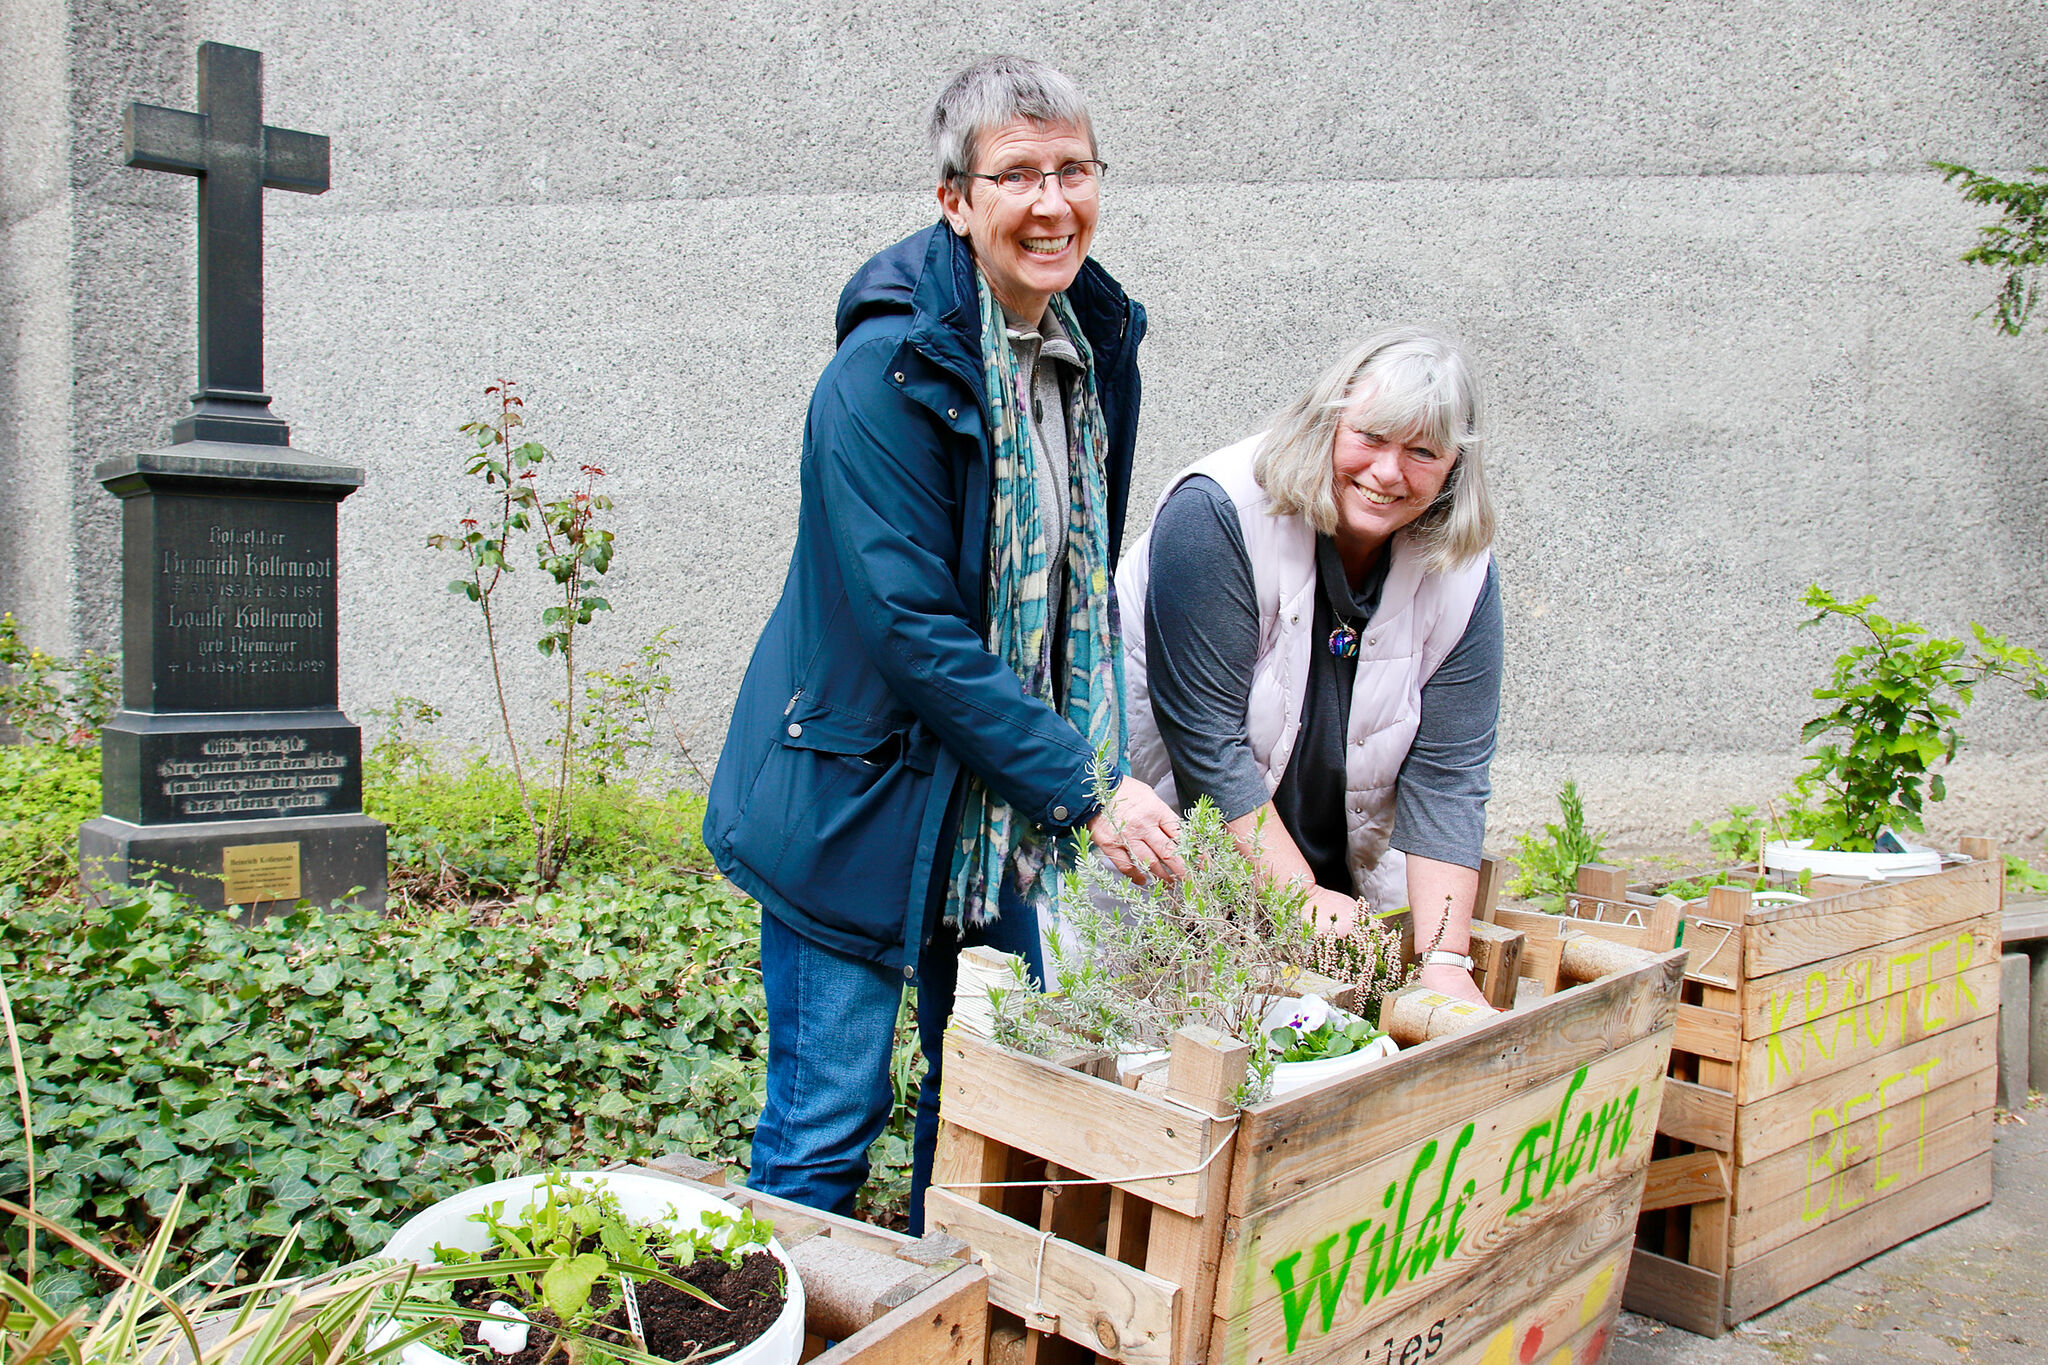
[{"x": 1323, "y": 1286}]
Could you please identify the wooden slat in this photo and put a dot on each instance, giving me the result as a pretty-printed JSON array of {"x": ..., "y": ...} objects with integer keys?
[
  {"x": 1487, "y": 901},
  {"x": 1674, "y": 1292},
  {"x": 970, "y": 1162},
  {"x": 1784, "y": 1000},
  {"x": 1502, "y": 1318},
  {"x": 1098, "y": 1301},
  {"x": 1479, "y": 1184},
  {"x": 1496, "y": 962},
  {"x": 1707, "y": 1234},
  {"x": 1866, "y": 1130},
  {"x": 1289, "y": 1145},
  {"x": 1699, "y": 1115},
  {"x": 1490, "y": 1277},
  {"x": 1801, "y": 1264},
  {"x": 1602, "y": 881},
  {"x": 1714, "y": 938},
  {"x": 1779, "y": 938},
  {"x": 1693, "y": 1178},
  {"x": 1710, "y": 1033},
  {"x": 1588, "y": 1344},
  {"x": 1786, "y": 1119},
  {"x": 1627, "y": 935},
  {"x": 1870, "y": 1029},
  {"x": 1839, "y": 1191},
  {"x": 945, "y": 1325},
  {"x": 1205, "y": 1071},
  {"x": 1084, "y": 1124},
  {"x": 1534, "y": 923}
]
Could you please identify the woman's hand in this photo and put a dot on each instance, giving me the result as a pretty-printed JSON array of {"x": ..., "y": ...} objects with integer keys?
[
  {"x": 1453, "y": 981},
  {"x": 1336, "y": 914},
  {"x": 1136, "y": 831}
]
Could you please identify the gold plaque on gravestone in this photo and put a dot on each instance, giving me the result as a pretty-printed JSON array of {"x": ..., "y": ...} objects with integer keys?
[{"x": 261, "y": 872}]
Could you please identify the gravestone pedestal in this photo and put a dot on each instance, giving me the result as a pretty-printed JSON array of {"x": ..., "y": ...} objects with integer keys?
[{"x": 231, "y": 773}]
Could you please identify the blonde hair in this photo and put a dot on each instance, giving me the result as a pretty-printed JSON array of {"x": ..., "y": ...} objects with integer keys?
[{"x": 1415, "y": 383}]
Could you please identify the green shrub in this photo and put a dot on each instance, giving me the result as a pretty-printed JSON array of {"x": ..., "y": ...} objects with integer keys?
[
  {"x": 46, "y": 792},
  {"x": 1897, "y": 697},
  {"x": 461, "y": 832},
  {"x": 337, "y": 1069}
]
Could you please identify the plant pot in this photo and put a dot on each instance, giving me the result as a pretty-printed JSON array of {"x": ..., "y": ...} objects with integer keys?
[
  {"x": 1799, "y": 855},
  {"x": 1289, "y": 1077},
  {"x": 642, "y": 1198},
  {"x": 1313, "y": 1011}
]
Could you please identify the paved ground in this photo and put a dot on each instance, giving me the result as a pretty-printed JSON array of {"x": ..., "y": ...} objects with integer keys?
[{"x": 1972, "y": 1290}]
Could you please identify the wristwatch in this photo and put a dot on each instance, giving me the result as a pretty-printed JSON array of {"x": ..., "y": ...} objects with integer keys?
[{"x": 1437, "y": 957}]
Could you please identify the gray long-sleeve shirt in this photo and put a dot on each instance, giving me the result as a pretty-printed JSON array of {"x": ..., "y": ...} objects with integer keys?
[{"x": 1202, "y": 638}]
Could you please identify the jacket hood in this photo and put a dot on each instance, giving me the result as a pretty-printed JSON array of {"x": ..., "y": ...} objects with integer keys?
[{"x": 886, "y": 284}]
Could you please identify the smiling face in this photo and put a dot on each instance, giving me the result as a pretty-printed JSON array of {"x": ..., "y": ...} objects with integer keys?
[
  {"x": 1029, "y": 246},
  {"x": 1384, "y": 481}
]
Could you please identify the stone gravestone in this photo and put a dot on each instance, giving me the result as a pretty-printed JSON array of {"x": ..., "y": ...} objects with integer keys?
[{"x": 230, "y": 771}]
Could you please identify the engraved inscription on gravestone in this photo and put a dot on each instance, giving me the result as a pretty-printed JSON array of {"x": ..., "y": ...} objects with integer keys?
[{"x": 247, "y": 596}]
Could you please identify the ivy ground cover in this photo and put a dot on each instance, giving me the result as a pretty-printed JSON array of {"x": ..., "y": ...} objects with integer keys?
[{"x": 335, "y": 1070}]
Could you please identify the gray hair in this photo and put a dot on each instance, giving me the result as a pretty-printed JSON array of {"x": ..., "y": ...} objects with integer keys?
[
  {"x": 1415, "y": 383},
  {"x": 992, "y": 92}
]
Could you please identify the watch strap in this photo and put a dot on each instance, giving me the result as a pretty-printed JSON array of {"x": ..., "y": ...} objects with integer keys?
[{"x": 1437, "y": 957}]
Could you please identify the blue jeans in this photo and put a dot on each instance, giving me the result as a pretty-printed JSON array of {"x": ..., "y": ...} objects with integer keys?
[{"x": 831, "y": 1025}]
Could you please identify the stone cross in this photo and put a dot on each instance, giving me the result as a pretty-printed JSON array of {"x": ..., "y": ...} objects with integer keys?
[
  {"x": 231, "y": 772},
  {"x": 235, "y": 156}
]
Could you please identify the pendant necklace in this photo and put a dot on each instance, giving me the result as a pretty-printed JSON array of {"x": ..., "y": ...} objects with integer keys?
[{"x": 1343, "y": 641}]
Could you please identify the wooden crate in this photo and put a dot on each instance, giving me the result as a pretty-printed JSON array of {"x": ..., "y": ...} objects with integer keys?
[
  {"x": 879, "y": 1297},
  {"x": 1831, "y": 1086},
  {"x": 1473, "y": 1197}
]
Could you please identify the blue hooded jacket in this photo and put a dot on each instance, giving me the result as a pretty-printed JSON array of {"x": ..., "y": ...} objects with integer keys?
[{"x": 871, "y": 695}]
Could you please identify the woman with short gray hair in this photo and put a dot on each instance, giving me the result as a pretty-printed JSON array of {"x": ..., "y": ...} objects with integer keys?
[
  {"x": 919, "y": 732},
  {"x": 1313, "y": 641}
]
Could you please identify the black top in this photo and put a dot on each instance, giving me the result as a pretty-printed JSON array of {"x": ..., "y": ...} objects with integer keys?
[{"x": 1202, "y": 642}]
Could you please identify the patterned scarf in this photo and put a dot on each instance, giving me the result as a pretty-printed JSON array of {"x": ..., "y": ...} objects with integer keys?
[{"x": 993, "y": 837}]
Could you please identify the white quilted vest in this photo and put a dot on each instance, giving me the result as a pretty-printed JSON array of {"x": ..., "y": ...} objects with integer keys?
[{"x": 1420, "y": 619}]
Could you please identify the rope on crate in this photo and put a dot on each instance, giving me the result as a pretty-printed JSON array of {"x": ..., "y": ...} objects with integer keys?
[
  {"x": 1037, "y": 1306},
  {"x": 1056, "y": 1185}
]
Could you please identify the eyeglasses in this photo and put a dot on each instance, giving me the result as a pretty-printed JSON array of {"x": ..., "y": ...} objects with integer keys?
[{"x": 1078, "y": 179}]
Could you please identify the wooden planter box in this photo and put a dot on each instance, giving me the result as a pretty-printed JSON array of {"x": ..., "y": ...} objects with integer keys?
[
  {"x": 879, "y": 1297},
  {"x": 1470, "y": 1201},
  {"x": 1831, "y": 1085}
]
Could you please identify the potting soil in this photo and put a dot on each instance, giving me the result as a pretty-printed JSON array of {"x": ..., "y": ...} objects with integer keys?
[{"x": 676, "y": 1325}]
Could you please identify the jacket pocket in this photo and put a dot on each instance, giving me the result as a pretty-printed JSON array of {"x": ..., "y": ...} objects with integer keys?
[{"x": 833, "y": 819}]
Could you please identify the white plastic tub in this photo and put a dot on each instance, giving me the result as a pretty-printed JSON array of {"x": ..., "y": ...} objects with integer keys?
[
  {"x": 642, "y": 1198},
  {"x": 1799, "y": 855}
]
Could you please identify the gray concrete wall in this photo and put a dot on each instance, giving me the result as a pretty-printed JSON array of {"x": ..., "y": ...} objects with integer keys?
[
  {"x": 35, "y": 228},
  {"x": 1695, "y": 248}
]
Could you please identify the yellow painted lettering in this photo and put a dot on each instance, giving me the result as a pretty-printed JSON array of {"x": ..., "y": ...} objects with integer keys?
[
  {"x": 1966, "y": 953},
  {"x": 1775, "y": 1059},
  {"x": 1820, "y": 1157}
]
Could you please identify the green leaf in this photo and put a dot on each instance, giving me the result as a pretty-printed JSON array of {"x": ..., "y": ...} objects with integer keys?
[{"x": 566, "y": 1286}]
